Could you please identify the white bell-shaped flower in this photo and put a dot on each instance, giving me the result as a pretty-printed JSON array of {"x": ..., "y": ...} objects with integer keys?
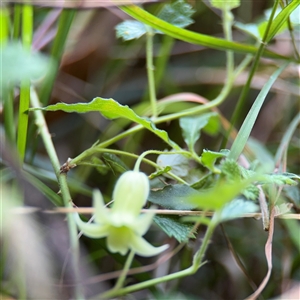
[{"x": 123, "y": 224}]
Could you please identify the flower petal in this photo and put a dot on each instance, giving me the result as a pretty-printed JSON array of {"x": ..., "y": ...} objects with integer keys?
[
  {"x": 91, "y": 229},
  {"x": 101, "y": 212},
  {"x": 141, "y": 247},
  {"x": 142, "y": 223},
  {"x": 118, "y": 240},
  {"x": 130, "y": 193}
]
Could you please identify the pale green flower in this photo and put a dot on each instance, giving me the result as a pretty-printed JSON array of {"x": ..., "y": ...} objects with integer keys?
[{"x": 123, "y": 224}]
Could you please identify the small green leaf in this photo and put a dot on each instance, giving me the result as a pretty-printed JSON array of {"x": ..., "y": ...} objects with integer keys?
[
  {"x": 114, "y": 163},
  {"x": 280, "y": 179},
  {"x": 236, "y": 209},
  {"x": 231, "y": 170},
  {"x": 177, "y": 13},
  {"x": 18, "y": 64},
  {"x": 130, "y": 29},
  {"x": 174, "y": 197},
  {"x": 208, "y": 159},
  {"x": 111, "y": 109},
  {"x": 191, "y": 127},
  {"x": 179, "y": 163},
  {"x": 100, "y": 166},
  {"x": 251, "y": 192},
  {"x": 205, "y": 182},
  {"x": 173, "y": 227},
  {"x": 160, "y": 172},
  {"x": 225, "y": 4}
]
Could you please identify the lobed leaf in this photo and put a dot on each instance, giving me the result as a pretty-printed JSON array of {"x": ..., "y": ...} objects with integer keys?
[
  {"x": 173, "y": 227},
  {"x": 130, "y": 29},
  {"x": 208, "y": 158},
  {"x": 111, "y": 109},
  {"x": 18, "y": 64},
  {"x": 177, "y": 13}
]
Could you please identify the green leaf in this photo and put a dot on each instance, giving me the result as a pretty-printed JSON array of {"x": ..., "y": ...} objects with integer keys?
[
  {"x": 114, "y": 163},
  {"x": 216, "y": 197},
  {"x": 246, "y": 128},
  {"x": 205, "y": 182},
  {"x": 236, "y": 209},
  {"x": 193, "y": 37},
  {"x": 250, "y": 28},
  {"x": 225, "y": 4},
  {"x": 280, "y": 179},
  {"x": 213, "y": 125},
  {"x": 111, "y": 109},
  {"x": 174, "y": 197},
  {"x": 191, "y": 127},
  {"x": 130, "y": 29},
  {"x": 100, "y": 166},
  {"x": 18, "y": 64},
  {"x": 179, "y": 163},
  {"x": 173, "y": 227},
  {"x": 293, "y": 193},
  {"x": 251, "y": 192},
  {"x": 177, "y": 13},
  {"x": 231, "y": 170},
  {"x": 281, "y": 18},
  {"x": 208, "y": 159},
  {"x": 160, "y": 172}
]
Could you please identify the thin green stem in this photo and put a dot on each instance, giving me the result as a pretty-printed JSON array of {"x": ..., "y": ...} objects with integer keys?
[
  {"x": 8, "y": 111},
  {"x": 197, "y": 263},
  {"x": 150, "y": 71},
  {"x": 246, "y": 88},
  {"x": 62, "y": 181},
  {"x": 188, "y": 112},
  {"x": 17, "y": 21},
  {"x": 4, "y": 25},
  {"x": 27, "y": 31},
  {"x": 122, "y": 277}
]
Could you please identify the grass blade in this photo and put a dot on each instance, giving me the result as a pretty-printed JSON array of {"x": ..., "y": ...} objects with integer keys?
[{"x": 244, "y": 133}]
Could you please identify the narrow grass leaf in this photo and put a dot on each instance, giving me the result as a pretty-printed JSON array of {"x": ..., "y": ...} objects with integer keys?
[
  {"x": 193, "y": 37},
  {"x": 244, "y": 133},
  {"x": 111, "y": 109},
  {"x": 281, "y": 18}
]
